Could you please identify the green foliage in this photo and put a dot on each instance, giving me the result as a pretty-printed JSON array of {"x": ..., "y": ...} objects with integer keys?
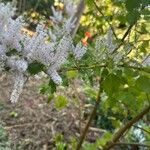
[
  {"x": 102, "y": 141},
  {"x": 113, "y": 83},
  {"x": 88, "y": 146},
  {"x": 60, "y": 102},
  {"x": 143, "y": 83},
  {"x": 13, "y": 114},
  {"x": 71, "y": 74},
  {"x": 59, "y": 141},
  {"x": 35, "y": 68},
  {"x": 52, "y": 86},
  {"x": 89, "y": 3},
  {"x": 134, "y": 9},
  {"x": 4, "y": 141},
  {"x": 60, "y": 146},
  {"x": 49, "y": 88}
]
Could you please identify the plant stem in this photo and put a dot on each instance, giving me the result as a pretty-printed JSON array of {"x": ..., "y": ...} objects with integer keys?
[
  {"x": 93, "y": 113},
  {"x": 123, "y": 38},
  {"x": 77, "y": 16},
  {"x": 132, "y": 144},
  {"x": 93, "y": 66},
  {"x": 142, "y": 129},
  {"x": 79, "y": 67},
  {"x": 124, "y": 128},
  {"x": 106, "y": 19}
]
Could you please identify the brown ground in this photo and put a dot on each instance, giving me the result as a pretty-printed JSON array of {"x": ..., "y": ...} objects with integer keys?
[{"x": 32, "y": 123}]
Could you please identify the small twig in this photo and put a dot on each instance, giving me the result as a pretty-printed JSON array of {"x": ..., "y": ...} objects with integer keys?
[
  {"x": 105, "y": 19},
  {"x": 93, "y": 129},
  {"x": 22, "y": 125},
  {"x": 145, "y": 58},
  {"x": 132, "y": 144},
  {"x": 127, "y": 32},
  {"x": 135, "y": 68},
  {"x": 90, "y": 118},
  {"x": 142, "y": 129},
  {"x": 123, "y": 38},
  {"x": 17, "y": 126},
  {"x": 79, "y": 67},
  {"x": 124, "y": 128},
  {"x": 93, "y": 66},
  {"x": 77, "y": 16}
]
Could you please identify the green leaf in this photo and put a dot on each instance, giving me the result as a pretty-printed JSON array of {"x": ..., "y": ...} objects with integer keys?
[
  {"x": 58, "y": 137},
  {"x": 50, "y": 98},
  {"x": 60, "y": 146},
  {"x": 105, "y": 137},
  {"x": 132, "y": 4},
  {"x": 65, "y": 80},
  {"x": 132, "y": 17},
  {"x": 116, "y": 123},
  {"x": 143, "y": 83},
  {"x": 144, "y": 45},
  {"x": 105, "y": 72},
  {"x": 112, "y": 84},
  {"x": 89, "y": 146},
  {"x": 89, "y": 2},
  {"x": 60, "y": 102},
  {"x": 35, "y": 67},
  {"x": 92, "y": 93},
  {"x": 52, "y": 86},
  {"x": 14, "y": 114},
  {"x": 11, "y": 52},
  {"x": 126, "y": 96},
  {"x": 71, "y": 74},
  {"x": 44, "y": 89}
]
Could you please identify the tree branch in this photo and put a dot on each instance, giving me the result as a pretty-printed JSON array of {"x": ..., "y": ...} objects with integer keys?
[
  {"x": 135, "y": 68},
  {"x": 105, "y": 19},
  {"x": 77, "y": 16},
  {"x": 124, "y": 128},
  {"x": 93, "y": 66},
  {"x": 90, "y": 118},
  {"x": 83, "y": 67},
  {"x": 123, "y": 38}
]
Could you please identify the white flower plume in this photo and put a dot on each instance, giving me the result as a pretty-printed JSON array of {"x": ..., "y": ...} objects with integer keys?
[{"x": 18, "y": 50}]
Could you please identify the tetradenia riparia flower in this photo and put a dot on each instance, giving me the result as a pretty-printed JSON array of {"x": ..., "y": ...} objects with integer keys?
[{"x": 28, "y": 49}]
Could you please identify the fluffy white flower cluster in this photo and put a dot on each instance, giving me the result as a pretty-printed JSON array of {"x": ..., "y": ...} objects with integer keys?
[
  {"x": 104, "y": 46},
  {"x": 79, "y": 51},
  {"x": 18, "y": 87},
  {"x": 51, "y": 53},
  {"x": 108, "y": 41}
]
